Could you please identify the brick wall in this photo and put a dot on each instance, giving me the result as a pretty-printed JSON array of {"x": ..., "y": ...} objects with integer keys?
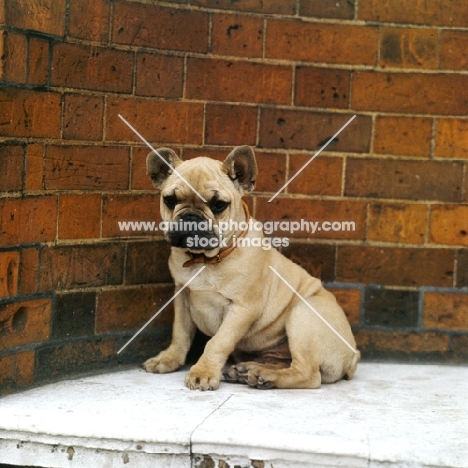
[{"x": 202, "y": 76}]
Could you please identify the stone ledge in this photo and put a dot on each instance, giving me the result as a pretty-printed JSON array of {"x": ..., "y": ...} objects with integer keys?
[{"x": 389, "y": 415}]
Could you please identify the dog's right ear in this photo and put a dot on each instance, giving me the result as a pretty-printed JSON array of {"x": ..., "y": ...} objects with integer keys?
[{"x": 157, "y": 169}]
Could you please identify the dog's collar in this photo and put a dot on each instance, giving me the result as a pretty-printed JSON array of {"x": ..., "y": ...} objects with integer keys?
[{"x": 202, "y": 258}]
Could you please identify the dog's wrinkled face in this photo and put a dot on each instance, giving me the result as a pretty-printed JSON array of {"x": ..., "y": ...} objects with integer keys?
[{"x": 192, "y": 223}]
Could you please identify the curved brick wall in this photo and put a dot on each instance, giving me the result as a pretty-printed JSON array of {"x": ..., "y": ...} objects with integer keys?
[{"x": 201, "y": 77}]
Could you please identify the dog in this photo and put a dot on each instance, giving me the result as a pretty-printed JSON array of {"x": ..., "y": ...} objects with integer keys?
[{"x": 250, "y": 313}]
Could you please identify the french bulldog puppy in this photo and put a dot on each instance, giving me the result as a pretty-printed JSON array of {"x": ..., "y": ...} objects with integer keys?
[{"x": 237, "y": 300}]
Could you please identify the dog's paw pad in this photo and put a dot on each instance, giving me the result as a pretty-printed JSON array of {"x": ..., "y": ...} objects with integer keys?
[{"x": 236, "y": 374}]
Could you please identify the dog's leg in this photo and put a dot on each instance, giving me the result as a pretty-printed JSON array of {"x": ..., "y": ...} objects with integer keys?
[{"x": 183, "y": 332}]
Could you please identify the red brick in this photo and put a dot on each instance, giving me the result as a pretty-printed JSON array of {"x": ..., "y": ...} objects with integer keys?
[
  {"x": 11, "y": 168},
  {"x": 2, "y": 12},
  {"x": 350, "y": 301},
  {"x": 86, "y": 167},
  {"x": 164, "y": 122},
  {"x": 395, "y": 266},
  {"x": 453, "y": 51},
  {"x": 25, "y": 113},
  {"x": 159, "y": 76},
  {"x": 47, "y": 16},
  {"x": 83, "y": 117},
  {"x": 449, "y": 224},
  {"x": 9, "y": 268},
  {"x": 7, "y": 371},
  {"x": 28, "y": 220},
  {"x": 322, "y": 87},
  {"x": 433, "y": 12},
  {"x": 310, "y": 130},
  {"x": 89, "y": 19},
  {"x": 297, "y": 209},
  {"x": 237, "y": 35},
  {"x": 451, "y": 137},
  {"x": 409, "y": 93},
  {"x": 405, "y": 136},
  {"x": 34, "y": 161},
  {"x": 230, "y": 125},
  {"x": 73, "y": 267},
  {"x": 397, "y": 222},
  {"x": 25, "y": 368},
  {"x": 13, "y": 54},
  {"x": 38, "y": 61},
  {"x": 341, "y": 9},
  {"x": 160, "y": 27},
  {"x": 28, "y": 271},
  {"x": 143, "y": 207},
  {"x": 318, "y": 42},
  {"x": 271, "y": 171},
  {"x": 462, "y": 268},
  {"x": 223, "y": 80},
  {"x": 323, "y": 176},
  {"x": 446, "y": 311},
  {"x": 130, "y": 309},
  {"x": 278, "y": 7},
  {"x": 460, "y": 348},
  {"x": 414, "y": 180},
  {"x": 408, "y": 48},
  {"x": 24, "y": 322},
  {"x": 90, "y": 67},
  {"x": 79, "y": 216}
]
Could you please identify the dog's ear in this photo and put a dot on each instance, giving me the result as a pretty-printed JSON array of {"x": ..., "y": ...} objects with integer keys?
[
  {"x": 157, "y": 169},
  {"x": 241, "y": 167}
]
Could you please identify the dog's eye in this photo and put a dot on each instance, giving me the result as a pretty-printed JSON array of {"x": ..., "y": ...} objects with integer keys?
[
  {"x": 170, "y": 201},
  {"x": 218, "y": 206}
]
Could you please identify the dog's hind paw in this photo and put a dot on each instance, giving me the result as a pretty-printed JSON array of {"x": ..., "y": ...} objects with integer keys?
[{"x": 250, "y": 375}]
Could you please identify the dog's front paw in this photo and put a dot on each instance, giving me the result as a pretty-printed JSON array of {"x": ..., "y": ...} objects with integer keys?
[
  {"x": 163, "y": 363},
  {"x": 203, "y": 378}
]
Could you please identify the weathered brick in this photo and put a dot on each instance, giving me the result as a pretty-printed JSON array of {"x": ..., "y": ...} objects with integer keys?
[
  {"x": 130, "y": 309},
  {"x": 408, "y": 48},
  {"x": 310, "y": 130},
  {"x": 164, "y": 122},
  {"x": 90, "y": 67},
  {"x": 73, "y": 267},
  {"x": 159, "y": 75},
  {"x": 79, "y": 216},
  {"x": 34, "y": 161},
  {"x": 230, "y": 125},
  {"x": 317, "y": 260},
  {"x": 28, "y": 271},
  {"x": 449, "y": 224},
  {"x": 25, "y": 368},
  {"x": 278, "y": 7},
  {"x": 391, "y": 308},
  {"x": 237, "y": 35},
  {"x": 74, "y": 315},
  {"x": 9, "y": 268},
  {"x": 47, "y": 16},
  {"x": 397, "y": 222},
  {"x": 318, "y": 42},
  {"x": 86, "y": 167},
  {"x": 451, "y": 138},
  {"x": 411, "y": 93},
  {"x": 395, "y": 266},
  {"x": 322, "y": 176},
  {"x": 462, "y": 268},
  {"x": 24, "y": 322},
  {"x": 140, "y": 180},
  {"x": 160, "y": 27},
  {"x": 221, "y": 80},
  {"x": 28, "y": 220},
  {"x": 89, "y": 19},
  {"x": 446, "y": 311},
  {"x": 11, "y": 168},
  {"x": 83, "y": 117},
  {"x": 271, "y": 171},
  {"x": 322, "y": 87},
  {"x": 341, "y": 9},
  {"x": 414, "y": 180},
  {"x": 405, "y": 136},
  {"x": 25, "y": 113},
  {"x": 129, "y": 208},
  {"x": 38, "y": 61},
  {"x": 433, "y": 12},
  {"x": 460, "y": 348},
  {"x": 147, "y": 262},
  {"x": 286, "y": 209},
  {"x": 350, "y": 300},
  {"x": 13, "y": 55},
  {"x": 7, "y": 373},
  {"x": 453, "y": 52}
]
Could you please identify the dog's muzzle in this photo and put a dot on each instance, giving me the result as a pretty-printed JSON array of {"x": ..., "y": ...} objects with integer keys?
[{"x": 192, "y": 231}]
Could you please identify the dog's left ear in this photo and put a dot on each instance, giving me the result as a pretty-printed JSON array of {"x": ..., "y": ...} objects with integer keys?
[{"x": 241, "y": 167}]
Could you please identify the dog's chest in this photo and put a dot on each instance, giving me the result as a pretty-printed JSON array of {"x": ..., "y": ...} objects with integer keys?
[{"x": 208, "y": 310}]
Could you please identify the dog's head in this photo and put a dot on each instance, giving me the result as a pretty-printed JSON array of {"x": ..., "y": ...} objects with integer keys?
[{"x": 192, "y": 223}]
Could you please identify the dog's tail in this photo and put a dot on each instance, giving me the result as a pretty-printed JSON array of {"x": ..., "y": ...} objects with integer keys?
[{"x": 352, "y": 367}]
